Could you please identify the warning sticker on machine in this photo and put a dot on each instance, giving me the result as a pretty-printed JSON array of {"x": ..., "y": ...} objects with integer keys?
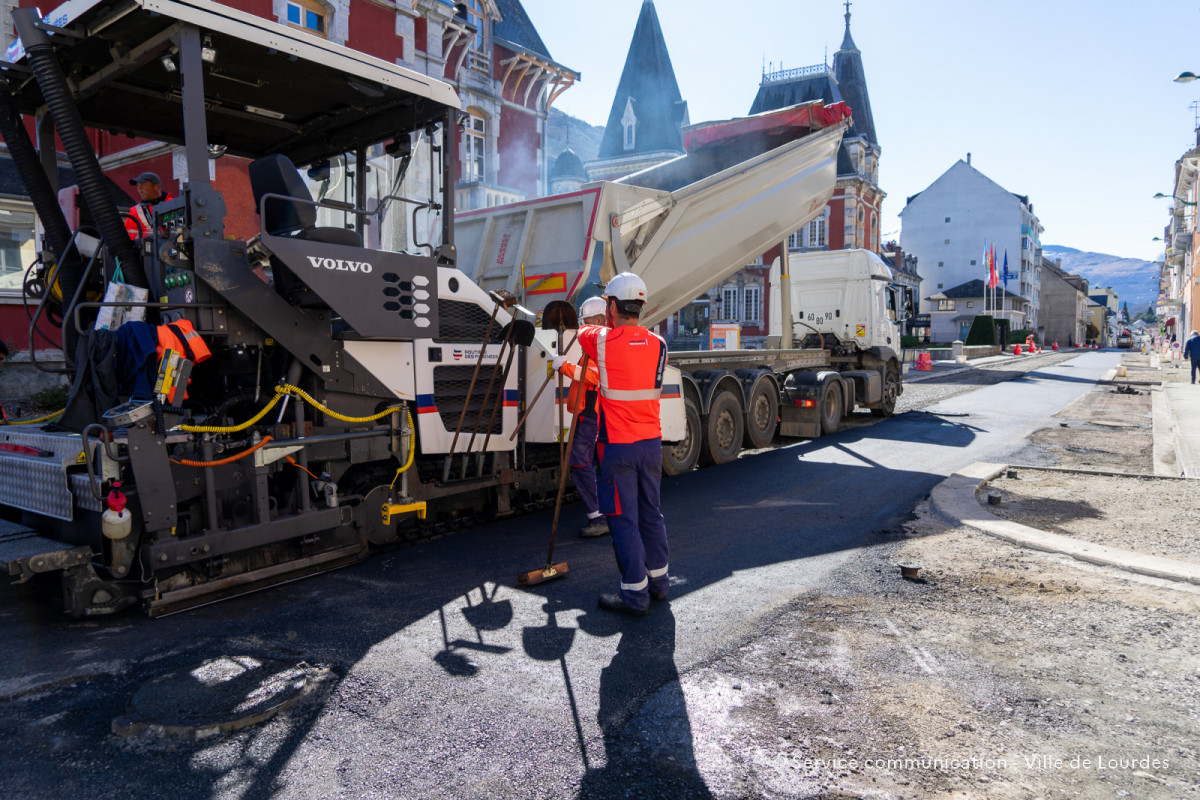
[{"x": 860, "y": 330}]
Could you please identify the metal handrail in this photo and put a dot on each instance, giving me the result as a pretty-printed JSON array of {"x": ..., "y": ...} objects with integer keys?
[
  {"x": 37, "y": 314},
  {"x": 144, "y": 304},
  {"x": 339, "y": 205}
]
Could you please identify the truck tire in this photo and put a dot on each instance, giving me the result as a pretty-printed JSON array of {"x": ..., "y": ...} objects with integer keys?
[
  {"x": 681, "y": 457},
  {"x": 762, "y": 414},
  {"x": 723, "y": 429},
  {"x": 831, "y": 407},
  {"x": 887, "y": 406}
]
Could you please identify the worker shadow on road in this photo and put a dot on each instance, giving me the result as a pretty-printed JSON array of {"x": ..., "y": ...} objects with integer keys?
[{"x": 648, "y": 743}]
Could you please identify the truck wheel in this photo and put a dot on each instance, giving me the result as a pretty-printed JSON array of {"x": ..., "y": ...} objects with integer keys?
[
  {"x": 831, "y": 407},
  {"x": 762, "y": 415},
  {"x": 722, "y": 430},
  {"x": 681, "y": 457},
  {"x": 887, "y": 406}
]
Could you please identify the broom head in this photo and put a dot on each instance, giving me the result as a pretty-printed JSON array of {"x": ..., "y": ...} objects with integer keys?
[{"x": 546, "y": 573}]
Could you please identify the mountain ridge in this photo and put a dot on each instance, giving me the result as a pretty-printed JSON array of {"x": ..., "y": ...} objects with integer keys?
[{"x": 1134, "y": 280}]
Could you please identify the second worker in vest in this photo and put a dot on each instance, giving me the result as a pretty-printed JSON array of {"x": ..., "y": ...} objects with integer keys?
[
  {"x": 631, "y": 361},
  {"x": 585, "y": 379}
]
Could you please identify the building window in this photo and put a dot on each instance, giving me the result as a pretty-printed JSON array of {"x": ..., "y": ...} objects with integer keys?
[
  {"x": 474, "y": 140},
  {"x": 947, "y": 241},
  {"x": 795, "y": 241},
  {"x": 629, "y": 124},
  {"x": 729, "y": 302},
  {"x": 939, "y": 285},
  {"x": 941, "y": 263},
  {"x": 945, "y": 305},
  {"x": 972, "y": 262},
  {"x": 752, "y": 307},
  {"x": 970, "y": 304},
  {"x": 307, "y": 15},
  {"x": 16, "y": 247},
  {"x": 816, "y": 232},
  {"x": 477, "y": 21},
  {"x": 947, "y": 219},
  {"x": 477, "y": 52}
]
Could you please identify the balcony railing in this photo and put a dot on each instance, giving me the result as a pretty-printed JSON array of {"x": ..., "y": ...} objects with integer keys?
[{"x": 782, "y": 75}]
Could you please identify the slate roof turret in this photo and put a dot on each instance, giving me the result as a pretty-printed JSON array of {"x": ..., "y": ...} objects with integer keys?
[
  {"x": 852, "y": 80},
  {"x": 516, "y": 27},
  {"x": 568, "y": 165},
  {"x": 649, "y": 88}
]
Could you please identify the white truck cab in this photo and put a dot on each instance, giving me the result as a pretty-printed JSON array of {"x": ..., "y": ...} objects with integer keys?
[{"x": 849, "y": 294}]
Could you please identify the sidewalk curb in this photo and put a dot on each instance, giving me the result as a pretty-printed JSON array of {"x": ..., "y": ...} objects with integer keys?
[
  {"x": 1185, "y": 460},
  {"x": 954, "y": 500},
  {"x": 1166, "y": 442}
]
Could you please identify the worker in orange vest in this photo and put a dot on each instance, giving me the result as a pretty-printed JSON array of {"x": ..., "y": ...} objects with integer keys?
[
  {"x": 631, "y": 361},
  {"x": 582, "y": 400},
  {"x": 141, "y": 214}
]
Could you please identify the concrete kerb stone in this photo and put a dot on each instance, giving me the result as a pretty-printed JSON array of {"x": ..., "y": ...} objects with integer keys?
[
  {"x": 1186, "y": 459},
  {"x": 954, "y": 500},
  {"x": 1166, "y": 443}
]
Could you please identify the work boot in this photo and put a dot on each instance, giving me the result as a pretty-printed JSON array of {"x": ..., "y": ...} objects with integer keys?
[
  {"x": 659, "y": 596},
  {"x": 595, "y": 527},
  {"x": 613, "y": 602}
]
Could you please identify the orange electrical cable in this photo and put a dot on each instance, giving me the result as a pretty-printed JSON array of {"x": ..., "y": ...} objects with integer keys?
[
  {"x": 187, "y": 462},
  {"x": 297, "y": 465}
]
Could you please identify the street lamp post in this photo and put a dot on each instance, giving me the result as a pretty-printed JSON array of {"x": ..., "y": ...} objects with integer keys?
[{"x": 1161, "y": 196}]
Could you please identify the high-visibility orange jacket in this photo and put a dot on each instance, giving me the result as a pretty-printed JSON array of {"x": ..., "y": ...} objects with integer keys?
[
  {"x": 631, "y": 361},
  {"x": 140, "y": 216},
  {"x": 589, "y": 380},
  {"x": 181, "y": 337}
]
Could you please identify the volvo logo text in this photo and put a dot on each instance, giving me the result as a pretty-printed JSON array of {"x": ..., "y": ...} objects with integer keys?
[{"x": 339, "y": 264}]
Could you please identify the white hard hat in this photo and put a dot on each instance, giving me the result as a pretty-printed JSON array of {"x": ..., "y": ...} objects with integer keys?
[
  {"x": 592, "y": 307},
  {"x": 626, "y": 286}
]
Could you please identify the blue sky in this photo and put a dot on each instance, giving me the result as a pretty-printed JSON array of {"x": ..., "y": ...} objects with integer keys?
[{"x": 1066, "y": 101}]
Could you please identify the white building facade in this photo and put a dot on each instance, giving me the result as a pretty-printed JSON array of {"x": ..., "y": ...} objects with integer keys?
[{"x": 948, "y": 225}]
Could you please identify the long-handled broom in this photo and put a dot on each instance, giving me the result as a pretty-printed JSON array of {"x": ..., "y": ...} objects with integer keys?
[{"x": 552, "y": 570}]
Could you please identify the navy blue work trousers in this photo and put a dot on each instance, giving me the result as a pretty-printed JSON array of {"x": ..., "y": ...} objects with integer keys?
[
  {"x": 630, "y": 480},
  {"x": 583, "y": 461}
]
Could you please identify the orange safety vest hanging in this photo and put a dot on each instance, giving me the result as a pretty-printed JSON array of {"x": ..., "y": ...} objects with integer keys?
[{"x": 181, "y": 337}]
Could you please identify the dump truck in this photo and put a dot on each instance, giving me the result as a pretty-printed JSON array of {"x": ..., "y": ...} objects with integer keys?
[
  {"x": 686, "y": 225},
  {"x": 347, "y": 395}
]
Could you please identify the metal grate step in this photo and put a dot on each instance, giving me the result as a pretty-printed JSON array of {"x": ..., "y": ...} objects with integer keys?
[{"x": 24, "y": 552}]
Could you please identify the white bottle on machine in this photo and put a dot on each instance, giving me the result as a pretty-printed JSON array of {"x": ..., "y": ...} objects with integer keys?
[{"x": 116, "y": 522}]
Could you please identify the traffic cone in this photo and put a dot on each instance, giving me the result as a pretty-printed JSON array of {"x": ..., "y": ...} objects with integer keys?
[
  {"x": 1055, "y": 348},
  {"x": 1016, "y": 349}
]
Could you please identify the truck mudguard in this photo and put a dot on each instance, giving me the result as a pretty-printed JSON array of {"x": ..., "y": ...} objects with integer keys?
[{"x": 710, "y": 381}]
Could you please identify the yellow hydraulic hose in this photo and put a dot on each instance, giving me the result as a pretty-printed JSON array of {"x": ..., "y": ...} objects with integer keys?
[
  {"x": 412, "y": 449},
  {"x": 32, "y": 421},
  {"x": 280, "y": 393}
]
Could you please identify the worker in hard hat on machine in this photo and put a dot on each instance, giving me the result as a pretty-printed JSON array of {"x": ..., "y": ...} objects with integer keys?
[
  {"x": 581, "y": 400},
  {"x": 631, "y": 361}
]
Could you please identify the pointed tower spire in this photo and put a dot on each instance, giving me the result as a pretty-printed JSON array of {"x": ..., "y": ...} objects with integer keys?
[
  {"x": 847, "y": 42},
  {"x": 648, "y": 109},
  {"x": 848, "y": 70}
]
